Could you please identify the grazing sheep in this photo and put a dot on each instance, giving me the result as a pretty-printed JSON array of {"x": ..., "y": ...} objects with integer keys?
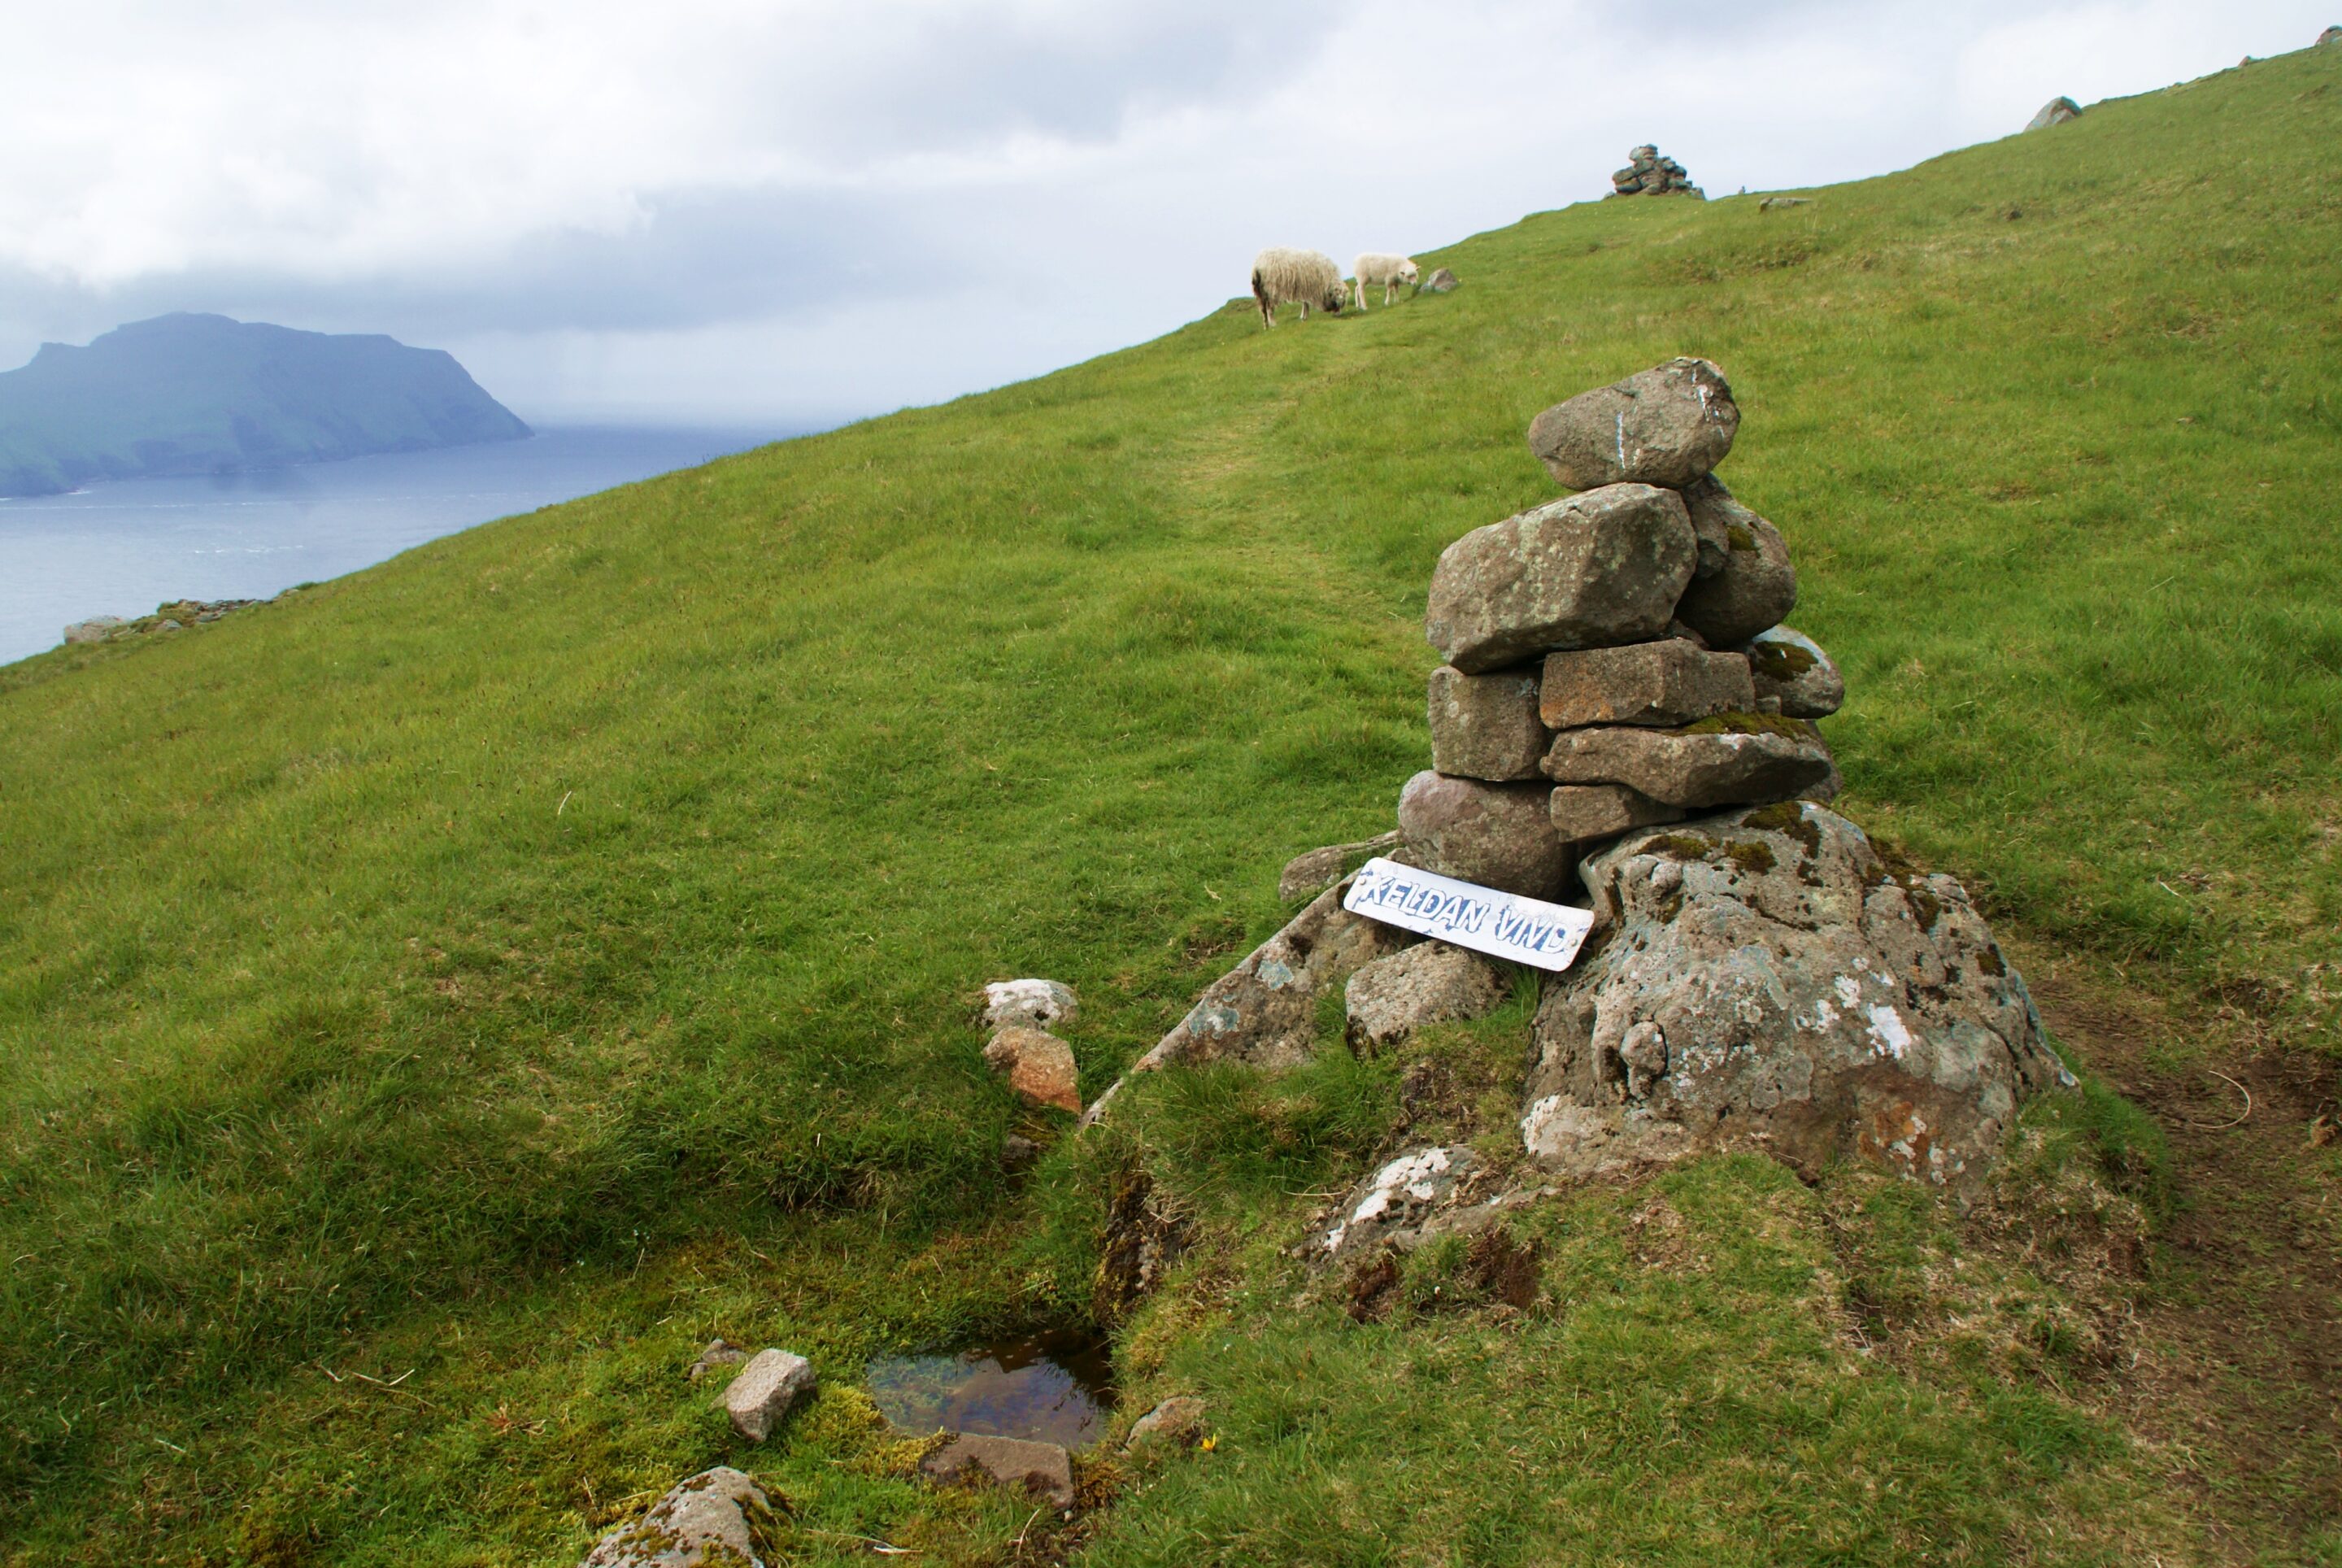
[
  {"x": 1391, "y": 271},
  {"x": 1304, "y": 277}
]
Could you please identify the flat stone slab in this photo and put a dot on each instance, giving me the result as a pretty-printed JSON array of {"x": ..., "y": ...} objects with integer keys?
[
  {"x": 1498, "y": 835},
  {"x": 1790, "y": 669},
  {"x": 1585, "y": 814},
  {"x": 1486, "y": 726},
  {"x": 1040, "y": 1469},
  {"x": 714, "y": 1520},
  {"x": 1604, "y": 567},
  {"x": 1780, "y": 761},
  {"x": 1666, "y": 426},
  {"x": 761, "y": 1396},
  {"x": 1664, "y": 683}
]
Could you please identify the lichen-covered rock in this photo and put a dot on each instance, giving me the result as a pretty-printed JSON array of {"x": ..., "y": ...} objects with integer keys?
[
  {"x": 1032, "y": 1003},
  {"x": 1603, "y": 567},
  {"x": 1582, "y": 815},
  {"x": 1486, "y": 726},
  {"x": 1664, "y": 683},
  {"x": 1307, "y": 875},
  {"x": 1759, "y": 979},
  {"x": 1391, "y": 1206},
  {"x": 763, "y": 1394},
  {"x": 1665, "y": 425},
  {"x": 96, "y": 629},
  {"x": 1789, "y": 669},
  {"x": 1735, "y": 759},
  {"x": 2056, "y": 112},
  {"x": 1431, "y": 982},
  {"x": 1440, "y": 282},
  {"x": 1497, "y": 835},
  {"x": 1038, "y": 1066},
  {"x": 719, "y": 1518},
  {"x": 1756, "y": 587},
  {"x": 1264, "y": 1012},
  {"x": 1042, "y": 1470}
]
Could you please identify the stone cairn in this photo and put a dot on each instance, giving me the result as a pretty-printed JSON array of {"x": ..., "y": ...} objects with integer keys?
[
  {"x": 1648, "y": 174},
  {"x": 1621, "y": 717},
  {"x": 1615, "y": 660}
]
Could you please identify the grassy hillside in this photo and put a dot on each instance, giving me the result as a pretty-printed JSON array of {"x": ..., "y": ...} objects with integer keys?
[{"x": 432, "y": 1007}]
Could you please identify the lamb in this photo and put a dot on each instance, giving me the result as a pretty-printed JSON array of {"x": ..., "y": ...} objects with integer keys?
[
  {"x": 1387, "y": 270},
  {"x": 1281, "y": 275}
]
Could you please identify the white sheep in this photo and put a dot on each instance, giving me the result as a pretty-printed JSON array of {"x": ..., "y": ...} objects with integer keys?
[
  {"x": 1306, "y": 278},
  {"x": 1391, "y": 271}
]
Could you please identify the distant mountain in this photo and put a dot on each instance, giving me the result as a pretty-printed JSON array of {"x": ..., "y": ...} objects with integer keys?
[{"x": 186, "y": 394}]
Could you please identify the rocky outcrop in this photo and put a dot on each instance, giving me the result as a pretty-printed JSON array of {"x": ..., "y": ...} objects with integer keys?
[
  {"x": 767, "y": 1388},
  {"x": 1440, "y": 282},
  {"x": 176, "y": 616},
  {"x": 1041, "y": 1470},
  {"x": 1647, "y": 172},
  {"x": 1431, "y": 982},
  {"x": 719, "y": 1518},
  {"x": 1666, "y": 426},
  {"x": 2056, "y": 112},
  {"x": 1596, "y": 570},
  {"x": 1759, "y": 979}
]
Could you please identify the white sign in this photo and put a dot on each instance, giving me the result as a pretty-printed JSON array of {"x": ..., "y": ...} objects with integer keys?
[{"x": 1506, "y": 925}]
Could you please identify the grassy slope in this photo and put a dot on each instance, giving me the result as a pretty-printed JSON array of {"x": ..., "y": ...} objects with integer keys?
[{"x": 527, "y": 958}]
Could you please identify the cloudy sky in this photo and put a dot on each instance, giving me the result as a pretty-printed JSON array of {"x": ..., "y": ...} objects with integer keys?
[{"x": 782, "y": 211}]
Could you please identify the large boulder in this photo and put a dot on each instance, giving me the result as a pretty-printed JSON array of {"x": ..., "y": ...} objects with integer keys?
[
  {"x": 1264, "y": 1012},
  {"x": 1040, "y": 1470},
  {"x": 1603, "y": 567},
  {"x": 1497, "y": 835},
  {"x": 1429, "y": 983},
  {"x": 1790, "y": 671},
  {"x": 1755, "y": 589},
  {"x": 1736, "y": 760},
  {"x": 2331, "y": 35},
  {"x": 2056, "y": 112},
  {"x": 719, "y": 1518},
  {"x": 1760, "y": 979},
  {"x": 764, "y": 1392},
  {"x": 1664, "y": 683},
  {"x": 96, "y": 629},
  {"x": 1486, "y": 726},
  {"x": 1665, "y": 425}
]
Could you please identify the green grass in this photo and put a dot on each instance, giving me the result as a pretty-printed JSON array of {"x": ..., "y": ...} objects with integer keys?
[{"x": 524, "y": 960}]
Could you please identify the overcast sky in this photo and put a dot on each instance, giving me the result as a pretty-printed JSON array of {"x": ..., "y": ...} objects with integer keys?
[{"x": 781, "y": 211}]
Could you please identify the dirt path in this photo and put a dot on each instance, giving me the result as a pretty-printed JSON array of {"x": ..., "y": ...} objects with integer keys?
[{"x": 2238, "y": 1375}]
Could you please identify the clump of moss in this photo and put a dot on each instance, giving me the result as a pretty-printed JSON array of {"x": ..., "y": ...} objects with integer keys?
[
  {"x": 1779, "y": 660},
  {"x": 1746, "y": 854},
  {"x": 1750, "y": 855},
  {"x": 1752, "y": 724},
  {"x": 1740, "y": 536},
  {"x": 1925, "y": 905}
]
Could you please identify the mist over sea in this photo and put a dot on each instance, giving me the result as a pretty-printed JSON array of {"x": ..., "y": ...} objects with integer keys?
[{"x": 122, "y": 549}]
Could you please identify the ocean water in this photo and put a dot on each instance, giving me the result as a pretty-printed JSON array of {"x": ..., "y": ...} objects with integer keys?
[{"x": 123, "y": 549}]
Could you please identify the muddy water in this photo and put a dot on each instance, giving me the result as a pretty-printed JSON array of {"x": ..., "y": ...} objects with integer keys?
[{"x": 1052, "y": 1388}]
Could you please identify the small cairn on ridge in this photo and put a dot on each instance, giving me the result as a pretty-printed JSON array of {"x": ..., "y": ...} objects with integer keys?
[{"x": 1648, "y": 174}]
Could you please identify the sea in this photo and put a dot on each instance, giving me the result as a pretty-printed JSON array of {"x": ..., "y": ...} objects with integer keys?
[{"x": 122, "y": 549}]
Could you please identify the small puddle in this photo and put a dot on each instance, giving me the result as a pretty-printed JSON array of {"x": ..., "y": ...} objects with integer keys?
[{"x": 1051, "y": 1388}]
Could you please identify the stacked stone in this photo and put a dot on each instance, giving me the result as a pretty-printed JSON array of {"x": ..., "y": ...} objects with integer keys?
[
  {"x": 1648, "y": 174},
  {"x": 1617, "y": 659}
]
